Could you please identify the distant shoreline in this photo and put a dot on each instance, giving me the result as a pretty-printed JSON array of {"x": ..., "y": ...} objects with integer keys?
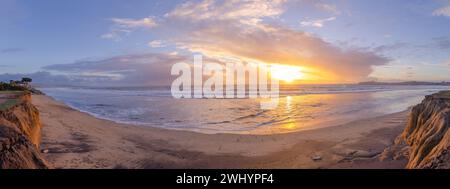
[{"x": 444, "y": 83}]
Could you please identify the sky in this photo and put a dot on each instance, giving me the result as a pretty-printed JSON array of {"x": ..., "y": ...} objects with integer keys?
[{"x": 135, "y": 42}]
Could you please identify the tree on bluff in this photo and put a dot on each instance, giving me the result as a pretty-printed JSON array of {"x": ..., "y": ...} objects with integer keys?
[{"x": 27, "y": 80}]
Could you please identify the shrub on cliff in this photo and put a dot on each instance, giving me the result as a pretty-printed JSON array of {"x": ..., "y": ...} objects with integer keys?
[{"x": 11, "y": 87}]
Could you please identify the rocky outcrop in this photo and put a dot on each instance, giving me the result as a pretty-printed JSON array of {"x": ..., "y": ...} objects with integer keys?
[
  {"x": 20, "y": 135},
  {"x": 427, "y": 133}
]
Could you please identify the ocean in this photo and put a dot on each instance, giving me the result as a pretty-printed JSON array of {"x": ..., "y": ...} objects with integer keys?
[{"x": 301, "y": 107}]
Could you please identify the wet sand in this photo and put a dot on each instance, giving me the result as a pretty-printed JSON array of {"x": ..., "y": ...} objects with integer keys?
[{"x": 72, "y": 139}]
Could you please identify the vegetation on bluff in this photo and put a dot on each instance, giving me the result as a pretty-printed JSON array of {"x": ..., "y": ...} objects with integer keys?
[
  {"x": 11, "y": 87},
  {"x": 21, "y": 85}
]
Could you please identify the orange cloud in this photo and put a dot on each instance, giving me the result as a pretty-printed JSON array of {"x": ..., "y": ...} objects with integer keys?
[{"x": 223, "y": 30}]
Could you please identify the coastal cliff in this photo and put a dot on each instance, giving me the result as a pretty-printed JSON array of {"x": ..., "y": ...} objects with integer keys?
[
  {"x": 20, "y": 133},
  {"x": 427, "y": 133}
]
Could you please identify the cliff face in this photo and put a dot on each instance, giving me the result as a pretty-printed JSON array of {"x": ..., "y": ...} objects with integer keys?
[
  {"x": 20, "y": 135},
  {"x": 427, "y": 133}
]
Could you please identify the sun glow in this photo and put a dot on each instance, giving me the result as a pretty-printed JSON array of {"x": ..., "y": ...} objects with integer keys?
[{"x": 286, "y": 73}]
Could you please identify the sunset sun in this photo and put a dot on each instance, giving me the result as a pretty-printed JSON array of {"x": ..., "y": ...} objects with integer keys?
[{"x": 287, "y": 73}]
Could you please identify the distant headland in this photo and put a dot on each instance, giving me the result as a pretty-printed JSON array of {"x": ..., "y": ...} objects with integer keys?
[{"x": 405, "y": 83}]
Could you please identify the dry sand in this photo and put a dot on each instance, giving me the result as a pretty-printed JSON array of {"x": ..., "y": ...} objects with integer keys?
[{"x": 72, "y": 139}]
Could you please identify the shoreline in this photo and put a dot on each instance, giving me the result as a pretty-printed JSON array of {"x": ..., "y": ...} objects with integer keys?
[{"x": 74, "y": 139}]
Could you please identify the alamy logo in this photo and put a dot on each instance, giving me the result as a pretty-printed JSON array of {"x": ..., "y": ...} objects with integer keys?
[{"x": 232, "y": 80}]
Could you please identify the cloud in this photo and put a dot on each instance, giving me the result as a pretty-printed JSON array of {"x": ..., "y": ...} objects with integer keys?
[
  {"x": 441, "y": 43},
  {"x": 285, "y": 46},
  {"x": 39, "y": 78},
  {"x": 149, "y": 69},
  {"x": 156, "y": 44},
  {"x": 317, "y": 23},
  {"x": 391, "y": 47},
  {"x": 125, "y": 26},
  {"x": 247, "y": 12},
  {"x": 328, "y": 8},
  {"x": 133, "y": 23},
  {"x": 434, "y": 44},
  {"x": 127, "y": 70},
  {"x": 434, "y": 64},
  {"x": 11, "y": 50},
  {"x": 443, "y": 11}
]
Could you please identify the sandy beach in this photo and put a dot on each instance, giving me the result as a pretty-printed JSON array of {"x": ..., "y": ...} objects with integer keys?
[{"x": 72, "y": 139}]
